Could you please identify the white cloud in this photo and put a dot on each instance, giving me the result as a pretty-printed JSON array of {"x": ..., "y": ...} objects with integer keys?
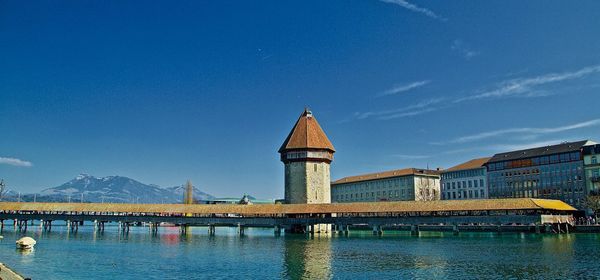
[
  {"x": 525, "y": 131},
  {"x": 463, "y": 49},
  {"x": 411, "y": 110},
  {"x": 402, "y": 88},
  {"x": 526, "y": 87},
  {"x": 407, "y": 114},
  {"x": 15, "y": 162},
  {"x": 414, "y": 8}
]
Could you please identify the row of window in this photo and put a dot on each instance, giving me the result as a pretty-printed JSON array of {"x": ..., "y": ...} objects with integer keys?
[
  {"x": 464, "y": 184},
  {"x": 543, "y": 160},
  {"x": 463, "y": 173},
  {"x": 470, "y": 194}
]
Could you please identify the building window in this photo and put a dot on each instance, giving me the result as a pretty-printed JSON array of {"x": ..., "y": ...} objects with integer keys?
[{"x": 594, "y": 160}]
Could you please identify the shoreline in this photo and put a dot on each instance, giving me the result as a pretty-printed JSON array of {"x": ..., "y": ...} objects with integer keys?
[{"x": 6, "y": 273}]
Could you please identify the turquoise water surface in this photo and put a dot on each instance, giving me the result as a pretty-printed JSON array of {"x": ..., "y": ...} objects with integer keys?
[{"x": 259, "y": 254}]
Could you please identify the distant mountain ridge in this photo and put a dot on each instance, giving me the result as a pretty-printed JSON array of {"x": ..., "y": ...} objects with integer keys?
[{"x": 117, "y": 189}]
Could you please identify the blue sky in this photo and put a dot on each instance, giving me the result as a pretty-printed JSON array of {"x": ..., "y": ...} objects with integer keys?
[{"x": 164, "y": 92}]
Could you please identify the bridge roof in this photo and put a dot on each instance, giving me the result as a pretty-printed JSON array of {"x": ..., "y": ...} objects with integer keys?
[{"x": 270, "y": 209}]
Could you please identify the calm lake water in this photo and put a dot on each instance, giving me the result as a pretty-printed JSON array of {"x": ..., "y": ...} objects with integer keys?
[{"x": 260, "y": 255}]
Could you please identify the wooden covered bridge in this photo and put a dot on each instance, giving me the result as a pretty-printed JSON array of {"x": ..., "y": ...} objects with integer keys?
[{"x": 524, "y": 214}]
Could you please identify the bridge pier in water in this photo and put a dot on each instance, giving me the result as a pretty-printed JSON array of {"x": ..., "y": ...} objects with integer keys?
[
  {"x": 21, "y": 225},
  {"x": 377, "y": 230},
  {"x": 46, "y": 225},
  {"x": 277, "y": 230},
  {"x": 211, "y": 230},
  {"x": 154, "y": 227},
  {"x": 414, "y": 230}
]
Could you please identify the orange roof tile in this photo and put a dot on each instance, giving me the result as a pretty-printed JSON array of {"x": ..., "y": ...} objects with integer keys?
[
  {"x": 306, "y": 134},
  {"x": 471, "y": 164},
  {"x": 385, "y": 174}
]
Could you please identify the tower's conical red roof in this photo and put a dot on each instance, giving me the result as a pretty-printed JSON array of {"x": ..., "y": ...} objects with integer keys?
[{"x": 306, "y": 134}]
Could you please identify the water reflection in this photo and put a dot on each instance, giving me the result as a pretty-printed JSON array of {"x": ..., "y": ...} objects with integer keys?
[
  {"x": 25, "y": 252},
  {"x": 307, "y": 258}
]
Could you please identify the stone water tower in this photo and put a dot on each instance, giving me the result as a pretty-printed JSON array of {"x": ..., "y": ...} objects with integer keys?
[{"x": 307, "y": 153}]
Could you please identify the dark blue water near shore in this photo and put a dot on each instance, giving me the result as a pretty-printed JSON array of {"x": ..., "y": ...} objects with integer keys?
[{"x": 261, "y": 255}]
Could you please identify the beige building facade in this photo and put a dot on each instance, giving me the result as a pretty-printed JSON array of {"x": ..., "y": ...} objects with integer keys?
[{"x": 396, "y": 185}]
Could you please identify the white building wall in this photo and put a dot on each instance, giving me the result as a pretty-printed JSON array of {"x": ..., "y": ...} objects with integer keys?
[{"x": 386, "y": 189}]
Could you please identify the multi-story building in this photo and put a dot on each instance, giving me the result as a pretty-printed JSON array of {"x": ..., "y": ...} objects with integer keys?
[
  {"x": 591, "y": 162},
  {"x": 465, "y": 181},
  {"x": 554, "y": 172},
  {"x": 403, "y": 184}
]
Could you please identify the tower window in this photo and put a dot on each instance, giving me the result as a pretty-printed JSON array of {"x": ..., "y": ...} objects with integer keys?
[{"x": 315, "y": 165}]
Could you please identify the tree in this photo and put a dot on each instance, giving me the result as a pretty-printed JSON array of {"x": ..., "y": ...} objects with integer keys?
[
  {"x": 592, "y": 202},
  {"x": 424, "y": 191},
  {"x": 3, "y": 189}
]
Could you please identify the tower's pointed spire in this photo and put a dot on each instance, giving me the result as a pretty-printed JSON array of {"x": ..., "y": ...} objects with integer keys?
[{"x": 307, "y": 134}]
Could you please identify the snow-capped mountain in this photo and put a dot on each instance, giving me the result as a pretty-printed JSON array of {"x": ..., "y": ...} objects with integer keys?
[{"x": 114, "y": 189}]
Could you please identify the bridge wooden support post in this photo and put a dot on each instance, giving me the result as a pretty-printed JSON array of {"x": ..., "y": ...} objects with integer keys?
[
  {"x": 499, "y": 228},
  {"x": 346, "y": 230},
  {"x": 537, "y": 228},
  {"x": 377, "y": 230},
  {"x": 211, "y": 230},
  {"x": 1, "y": 225},
  {"x": 338, "y": 228},
  {"x": 68, "y": 224},
  {"x": 414, "y": 230},
  {"x": 566, "y": 228},
  {"x": 547, "y": 228},
  {"x": 74, "y": 226},
  {"x": 455, "y": 230},
  {"x": 240, "y": 230},
  {"x": 310, "y": 229},
  {"x": 277, "y": 230},
  {"x": 46, "y": 225}
]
